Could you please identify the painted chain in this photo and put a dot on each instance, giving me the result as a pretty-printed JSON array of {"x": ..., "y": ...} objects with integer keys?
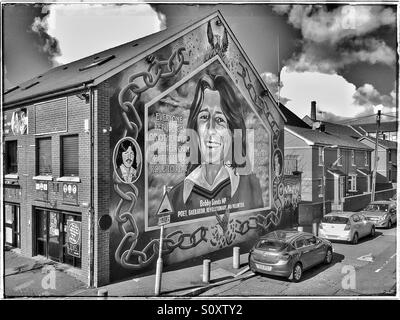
[
  {"x": 131, "y": 258},
  {"x": 274, "y": 216}
]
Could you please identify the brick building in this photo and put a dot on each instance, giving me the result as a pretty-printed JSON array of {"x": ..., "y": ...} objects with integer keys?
[{"x": 94, "y": 154}]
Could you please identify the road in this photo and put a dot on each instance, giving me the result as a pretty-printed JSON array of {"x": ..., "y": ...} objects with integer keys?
[{"x": 368, "y": 268}]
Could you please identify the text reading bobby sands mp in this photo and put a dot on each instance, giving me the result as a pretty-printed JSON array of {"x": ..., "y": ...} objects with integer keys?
[{"x": 200, "y": 310}]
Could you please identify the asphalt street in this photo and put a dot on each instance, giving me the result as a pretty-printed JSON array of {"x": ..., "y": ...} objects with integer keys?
[{"x": 368, "y": 268}]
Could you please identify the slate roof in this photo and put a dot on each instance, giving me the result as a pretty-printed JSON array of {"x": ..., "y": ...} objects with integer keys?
[
  {"x": 325, "y": 138},
  {"x": 336, "y": 128},
  {"x": 387, "y": 144},
  {"x": 291, "y": 118},
  {"x": 390, "y": 126},
  {"x": 77, "y": 73}
]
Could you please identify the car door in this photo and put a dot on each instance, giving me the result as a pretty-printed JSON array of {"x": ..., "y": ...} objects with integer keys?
[
  {"x": 358, "y": 225},
  {"x": 393, "y": 213},
  {"x": 316, "y": 251},
  {"x": 365, "y": 225},
  {"x": 306, "y": 252}
]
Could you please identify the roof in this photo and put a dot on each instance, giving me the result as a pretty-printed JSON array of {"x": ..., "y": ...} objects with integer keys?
[
  {"x": 336, "y": 172},
  {"x": 291, "y": 118},
  {"x": 390, "y": 126},
  {"x": 336, "y": 128},
  {"x": 386, "y": 144},
  {"x": 89, "y": 69},
  {"x": 282, "y": 234},
  {"x": 365, "y": 172},
  {"x": 316, "y": 137}
]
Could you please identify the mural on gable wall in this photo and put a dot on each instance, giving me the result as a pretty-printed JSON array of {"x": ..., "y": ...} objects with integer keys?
[{"x": 195, "y": 117}]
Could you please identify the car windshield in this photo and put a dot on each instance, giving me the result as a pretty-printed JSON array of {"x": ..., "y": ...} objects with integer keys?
[
  {"x": 271, "y": 244},
  {"x": 335, "y": 219},
  {"x": 377, "y": 207}
]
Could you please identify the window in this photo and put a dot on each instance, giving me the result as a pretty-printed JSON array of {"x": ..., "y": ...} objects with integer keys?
[
  {"x": 390, "y": 155},
  {"x": 366, "y": 158},
  {"x": 353, "y": 158},
  {"x": 70, "y": 155},
  {"x": 320, "y": 188},
  {"x": 320, "y": 156},
  {"x": 356, "y": 218},
  {"x": 43, "y": 153},
  {"x": 339, "y": 157},
  {"x": 12, "y": 225},
  {"x": 299, "y": 243},
  {"x": 11, "y": 160},
  {"x": 352, "y": 186}
]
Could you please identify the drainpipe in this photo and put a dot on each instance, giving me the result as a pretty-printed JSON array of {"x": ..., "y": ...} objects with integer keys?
[{"x": 91, "y": 208}]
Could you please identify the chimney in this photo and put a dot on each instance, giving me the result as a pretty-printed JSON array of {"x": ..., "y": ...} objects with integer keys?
[{"x": 313, "y": 110}]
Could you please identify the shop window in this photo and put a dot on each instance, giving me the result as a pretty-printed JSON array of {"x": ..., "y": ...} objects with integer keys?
[
  {"x": 352, "y": 183},
  {"x": 70, "y": 155},
  {"x": 12, "y": 225},
  {"x": 43, "y": 153},
  {"x": 11, "y": 158},
  {"x": 51, "y": 235}
]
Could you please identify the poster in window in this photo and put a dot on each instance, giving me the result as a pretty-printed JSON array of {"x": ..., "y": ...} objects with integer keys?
[
  {"x": 70, "y": 193},
  {"x": 73, "y": 240}
]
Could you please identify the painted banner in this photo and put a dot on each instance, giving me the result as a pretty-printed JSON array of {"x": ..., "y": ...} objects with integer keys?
[{"x": 73, "y": 240}]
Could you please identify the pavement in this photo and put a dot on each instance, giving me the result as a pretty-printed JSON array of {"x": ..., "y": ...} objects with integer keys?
[
  {"x": 373, "y": 261},
  {"x": 37, "y": 277}
]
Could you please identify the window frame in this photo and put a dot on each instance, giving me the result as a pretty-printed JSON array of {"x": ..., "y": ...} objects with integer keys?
[
  {"x": 352, "y": 178},
  {"x": 320, "y": 156},
  {"x": 37, "y": 164},
  {"x": 7, "y": 157},
  {"x": 62, "y": 165}
]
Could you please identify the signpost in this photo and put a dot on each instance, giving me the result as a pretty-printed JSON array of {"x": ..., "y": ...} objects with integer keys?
[{"x": 164, "y": 216}]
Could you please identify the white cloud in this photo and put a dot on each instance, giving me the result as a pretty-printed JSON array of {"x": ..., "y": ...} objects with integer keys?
[
  {"x": 333, "y": 93},
  {"x": 84, "y": 29}
]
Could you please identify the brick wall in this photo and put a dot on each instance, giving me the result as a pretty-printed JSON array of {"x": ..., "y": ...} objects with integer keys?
[
  {"x": 77, "y": 111},
  {"x": 102, "y": 181}
]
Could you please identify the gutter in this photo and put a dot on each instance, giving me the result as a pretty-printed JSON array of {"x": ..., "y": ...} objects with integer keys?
[{"x": 51, "y": 94}]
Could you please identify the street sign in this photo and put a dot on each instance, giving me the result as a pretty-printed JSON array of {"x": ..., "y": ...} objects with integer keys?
[
  {"x": 163, "y": 220},
  {"x": 165, "y": 206}
]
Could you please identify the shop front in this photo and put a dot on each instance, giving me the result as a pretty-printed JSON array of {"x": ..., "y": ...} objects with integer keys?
[{"x": 51, "y": 236}]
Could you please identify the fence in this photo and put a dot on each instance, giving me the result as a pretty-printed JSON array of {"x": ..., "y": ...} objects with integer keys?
[{"x": 360, "y": 201}]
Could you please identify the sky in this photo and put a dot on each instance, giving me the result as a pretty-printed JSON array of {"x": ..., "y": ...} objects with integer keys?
[{"x": 341, "y": 56}]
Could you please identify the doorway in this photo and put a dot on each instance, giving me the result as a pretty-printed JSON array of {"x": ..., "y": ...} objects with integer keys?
[
  {"x": 12, "y": 225},
  {"x": 51, "y": 234}
]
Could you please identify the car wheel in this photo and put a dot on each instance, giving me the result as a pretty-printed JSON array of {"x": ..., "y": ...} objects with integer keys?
[
  {"x": 355, "y": 238},
  {"x": 372, "y": 231},
  {"x": 389, "y": 226},
  {"x": 297, "y": 272},
  {"x": 328, "y": 256}
]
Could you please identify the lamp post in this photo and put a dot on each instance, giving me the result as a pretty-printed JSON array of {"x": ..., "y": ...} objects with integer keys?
[
  {"x": 323, "y": 177},
  {"x": 378, "y": 122}
]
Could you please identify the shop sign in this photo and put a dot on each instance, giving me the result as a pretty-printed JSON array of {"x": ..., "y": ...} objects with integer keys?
[
  {"x": 42, "y": 190},
  {"x": 74, "y": 238},
  {"x": 70, "y": 193}
]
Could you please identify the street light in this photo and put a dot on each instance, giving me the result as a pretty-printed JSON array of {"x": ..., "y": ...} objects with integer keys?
[{"x": 323, "y": 177}]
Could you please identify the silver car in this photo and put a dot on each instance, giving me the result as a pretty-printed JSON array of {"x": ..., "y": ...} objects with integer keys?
[
  {"x": 345, "y": 226},
  {"x": 382, "y": 213}
]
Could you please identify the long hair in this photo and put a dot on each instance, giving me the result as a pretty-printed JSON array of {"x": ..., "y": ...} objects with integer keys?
[
  {"x": 122, "y": 148},
  {"x": 231, "y": 107}
]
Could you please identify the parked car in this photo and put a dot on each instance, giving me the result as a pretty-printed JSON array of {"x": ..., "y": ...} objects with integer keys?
[
  {"x": 289, "y": 253},
  {"x": 345, "y": 226},
  {"x": 382, "y": 213}
]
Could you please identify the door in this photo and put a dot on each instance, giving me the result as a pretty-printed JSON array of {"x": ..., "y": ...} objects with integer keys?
[
  {"x": 12, "y": 225},
  {"x": 341, "y": 188},
  {"x": 303, "y": 248},
  {"x": 315, "y": 251},
  {"x": 55, "y": 247},
  {"x": 41, "y": 232},
  {"x": 71, "y": 260}
]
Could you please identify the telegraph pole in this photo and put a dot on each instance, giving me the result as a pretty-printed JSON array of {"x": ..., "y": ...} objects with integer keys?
[{"x": 378, "y": 123}]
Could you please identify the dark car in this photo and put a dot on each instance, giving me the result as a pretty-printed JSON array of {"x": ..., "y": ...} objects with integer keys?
[
  {"x": 288, "y": 253},
  {"x": 382, "y": 213}
]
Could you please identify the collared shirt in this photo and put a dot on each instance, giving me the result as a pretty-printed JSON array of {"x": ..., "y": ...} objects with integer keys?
[
  {"x": 197, "y": 177},
  {"x": 128, "y": 173}
]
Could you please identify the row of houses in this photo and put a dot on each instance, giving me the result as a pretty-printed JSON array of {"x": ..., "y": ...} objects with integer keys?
[{"x": 343, "y": 155}]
